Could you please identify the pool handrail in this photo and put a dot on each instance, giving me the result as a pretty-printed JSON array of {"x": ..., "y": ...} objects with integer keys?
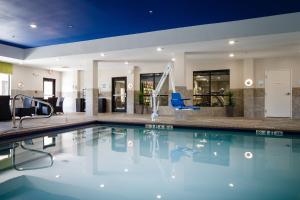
[
  {"x": 29, "y": 117},
  {"x": 15, "y": 145}
]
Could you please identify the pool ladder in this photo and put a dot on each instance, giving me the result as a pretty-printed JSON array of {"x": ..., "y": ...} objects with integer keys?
[{"x": 29, "y": 117}]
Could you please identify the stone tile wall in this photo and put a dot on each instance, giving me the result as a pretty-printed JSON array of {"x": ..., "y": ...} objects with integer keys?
[{"x": 296, "y": 103}]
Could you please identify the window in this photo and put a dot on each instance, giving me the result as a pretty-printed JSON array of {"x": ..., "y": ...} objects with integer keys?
[
  {"x": 210, "y": 87},
  {"x": 4, "y": 84},
  {"x": 148, "y": 82},
  {"x": 49, "y": 87}
]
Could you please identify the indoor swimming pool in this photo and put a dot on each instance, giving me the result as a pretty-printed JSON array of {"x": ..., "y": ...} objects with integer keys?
[{"x": 131, "y": 162}]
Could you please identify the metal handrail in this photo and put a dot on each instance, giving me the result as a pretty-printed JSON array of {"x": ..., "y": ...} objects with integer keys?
[
  {"x": 28, "y": 117},
  {"x": 15, "y": 145}
]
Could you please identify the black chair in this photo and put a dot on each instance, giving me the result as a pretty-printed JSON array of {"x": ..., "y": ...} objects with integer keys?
[
  {"x": 46, "y": 109},
  {"x": 59, "y": 107},
  {"x": 5, "y": 112},
  {"x": 27, "y": 109},
  {"x": 39, "y": 106}
]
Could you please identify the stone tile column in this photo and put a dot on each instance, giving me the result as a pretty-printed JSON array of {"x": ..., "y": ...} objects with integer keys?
[{"x": 91, "y": 86}]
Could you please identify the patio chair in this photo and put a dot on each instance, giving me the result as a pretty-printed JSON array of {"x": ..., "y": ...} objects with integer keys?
[{"x": 5, "y": 112}]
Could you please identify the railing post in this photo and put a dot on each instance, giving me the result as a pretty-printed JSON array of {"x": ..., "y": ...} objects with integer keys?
[{"x": 26, "y": 117}]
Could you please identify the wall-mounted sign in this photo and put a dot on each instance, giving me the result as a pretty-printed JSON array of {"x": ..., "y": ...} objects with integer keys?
[{"x": 103, "y": 85}]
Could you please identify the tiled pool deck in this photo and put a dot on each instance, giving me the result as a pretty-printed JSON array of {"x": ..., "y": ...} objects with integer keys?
[{"x": 290, "y": 125}]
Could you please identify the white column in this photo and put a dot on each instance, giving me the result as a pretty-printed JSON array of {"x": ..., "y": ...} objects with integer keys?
[
  {"x": 248, "y": 72},
  {"x": 91, "y": 86},
  {"x": 130, "y": 89},
  {"x": 179, "y": 70}
]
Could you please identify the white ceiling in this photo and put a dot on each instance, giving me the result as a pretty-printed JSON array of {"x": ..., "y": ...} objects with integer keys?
[{"x": 248, "y": 47}]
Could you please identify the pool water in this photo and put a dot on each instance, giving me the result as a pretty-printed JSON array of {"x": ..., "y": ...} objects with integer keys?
[{"x": 124, "y": 162}]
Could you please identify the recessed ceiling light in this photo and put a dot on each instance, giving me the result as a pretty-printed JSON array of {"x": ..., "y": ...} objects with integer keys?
[
  {"x": 231, "y": 185},
  {"x": 126, "y": 62},
  {"x": 173, "y": 59},
  {"x": 231, "y": 55},
  {"x": 101, "y": 185},
  {"x": 70, "y": 26},
  {"x": 33, "y": 25},
  {"x": 231, "y": 42},
  {"x": 159, "y": 49},
  {"x": 248, "y": 155},
  {"x": 158, "y": 196},
  {"x": 102, "y": 54},
  {"x": 150, "y": 11}
]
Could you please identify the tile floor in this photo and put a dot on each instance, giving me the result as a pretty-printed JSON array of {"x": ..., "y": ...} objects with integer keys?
[{"x": 291, "y": 125}]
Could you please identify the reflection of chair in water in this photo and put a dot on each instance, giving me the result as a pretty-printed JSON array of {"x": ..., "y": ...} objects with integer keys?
[{"x": 179, "y": 152}]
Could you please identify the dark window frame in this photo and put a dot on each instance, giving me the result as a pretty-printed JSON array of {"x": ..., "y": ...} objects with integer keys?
[
  {"x": 210, "y": 73},
  {"x": 154, "y": 84},
  {"x": 54, "y": 85}
]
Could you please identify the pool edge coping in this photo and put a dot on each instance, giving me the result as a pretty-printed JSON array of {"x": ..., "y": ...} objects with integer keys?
[{"x": 15, "y": 133}]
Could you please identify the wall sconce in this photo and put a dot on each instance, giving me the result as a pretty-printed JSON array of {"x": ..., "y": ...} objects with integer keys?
[
  {"x": 248, "y": 82},
  {"x": 130, "y": 85},
  {"x": 20, "y": 85}
]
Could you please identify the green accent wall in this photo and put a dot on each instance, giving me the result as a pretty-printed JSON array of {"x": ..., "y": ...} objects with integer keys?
[{"x": 6, "y": 68}]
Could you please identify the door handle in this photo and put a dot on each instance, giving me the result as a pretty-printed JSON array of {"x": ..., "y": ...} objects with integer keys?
[{"x": 288, "y": 94}]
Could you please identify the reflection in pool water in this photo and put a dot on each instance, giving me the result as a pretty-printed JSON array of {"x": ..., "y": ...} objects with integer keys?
[{"x": 105, "y": 162}]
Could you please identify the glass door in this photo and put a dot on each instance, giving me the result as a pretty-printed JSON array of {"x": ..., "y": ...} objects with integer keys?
[
  {"x": 119, "y": 94},
  {"x": 48, "y": 87}
]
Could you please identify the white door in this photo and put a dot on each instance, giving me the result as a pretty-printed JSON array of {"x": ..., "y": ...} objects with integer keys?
[{"x": 278, "y": 93}]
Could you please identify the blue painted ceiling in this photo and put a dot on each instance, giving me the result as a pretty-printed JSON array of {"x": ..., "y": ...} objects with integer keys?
[{"x": 63, "y": 21}]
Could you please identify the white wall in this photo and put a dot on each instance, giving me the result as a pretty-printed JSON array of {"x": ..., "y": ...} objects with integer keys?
[
  {"x": 117, "y": 69},
  {"x": 235, "y": 67},
  {"x": 69, "y": 90},
  {"x": 33, "y": 78},
  {"x": 263, "y": 64}
]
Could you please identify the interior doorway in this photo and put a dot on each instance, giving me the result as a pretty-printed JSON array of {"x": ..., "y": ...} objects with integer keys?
[
  {"x": 119, "y": 94},
  {"x": 278, "y": 94},
  {"x": 48, "y": 87}
]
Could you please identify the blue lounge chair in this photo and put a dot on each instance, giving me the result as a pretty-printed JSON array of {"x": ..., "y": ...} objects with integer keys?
[{"x": 178, "y": 103}]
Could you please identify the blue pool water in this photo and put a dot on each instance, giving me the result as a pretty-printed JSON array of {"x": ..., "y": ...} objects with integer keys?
[{"x": 123, "y": 162}]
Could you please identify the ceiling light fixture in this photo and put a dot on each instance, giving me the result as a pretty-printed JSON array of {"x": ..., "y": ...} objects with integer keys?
[
  {"x": 159, "y": 49},
  {"x": 248, "y": 155},
  {"x": 150, "y": 12},
  {"x": 126, "y": 62},
  {"x": 102, "y": 54},
  {"x": 231, "y": 185},
  {"x": 173, "y": 59},
  {"x": 231, "y": 55},
  {"x": 70, "y": 26},
  {"x": 231, "y": 42},
  {"x": 33, "y": 25}
]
